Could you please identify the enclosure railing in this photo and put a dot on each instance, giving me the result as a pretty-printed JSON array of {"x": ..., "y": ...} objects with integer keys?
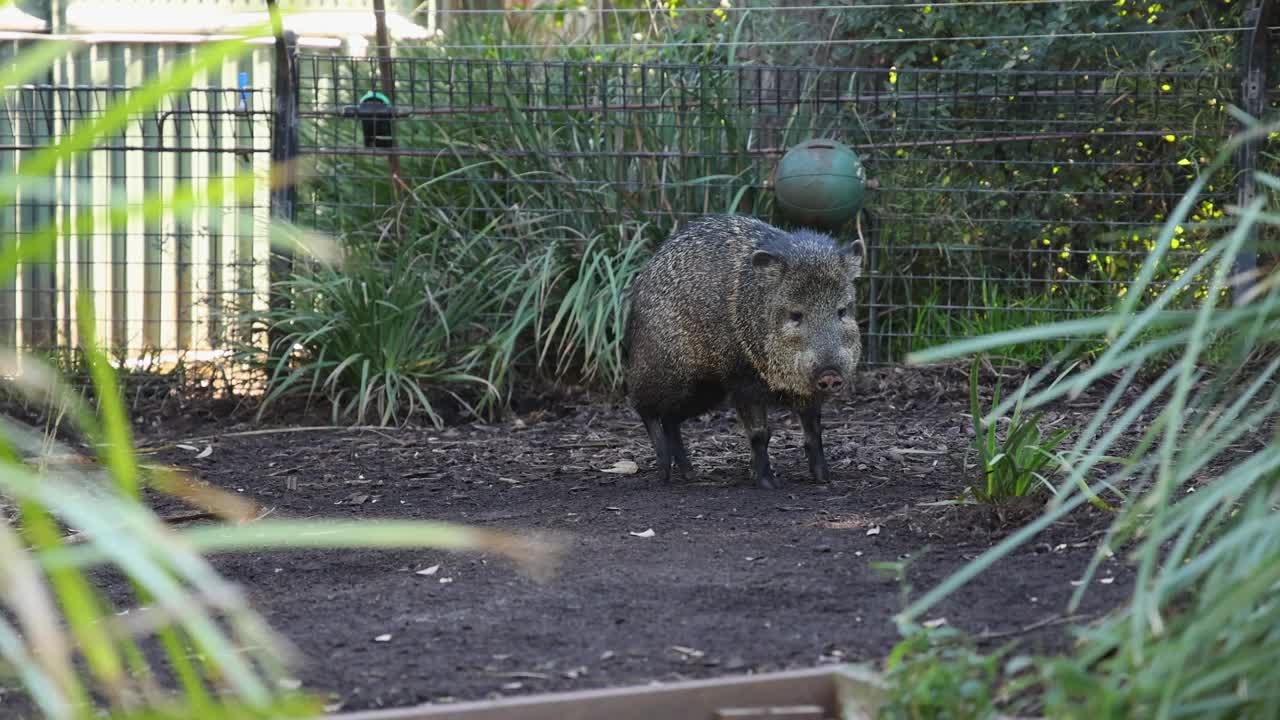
[{"x": 1003, "y": 197}]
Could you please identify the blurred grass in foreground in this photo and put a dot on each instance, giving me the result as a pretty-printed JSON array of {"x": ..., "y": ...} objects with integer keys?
[{"x": 71, "y": 650}]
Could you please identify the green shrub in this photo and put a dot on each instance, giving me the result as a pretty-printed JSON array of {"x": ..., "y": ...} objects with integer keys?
[
  {"x": 938, "y": 674},
  {"x": 1197, "y": 636}
]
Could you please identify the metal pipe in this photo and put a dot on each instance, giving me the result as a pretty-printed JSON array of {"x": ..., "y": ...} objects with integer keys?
[{"x": 1255, "y": 53}]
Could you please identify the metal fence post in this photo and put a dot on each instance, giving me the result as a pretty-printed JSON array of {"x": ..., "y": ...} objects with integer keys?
[
  {"x": 284, "y": 154},
  {"x": 387, "y": 73},
  {"x": 871, "y": 240},
  {"x": 39, "y": 298},
  {"x": 1255, "y": 52}
]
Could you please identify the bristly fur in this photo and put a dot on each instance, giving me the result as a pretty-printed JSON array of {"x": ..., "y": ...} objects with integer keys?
[{"x": 713, "y": 315}]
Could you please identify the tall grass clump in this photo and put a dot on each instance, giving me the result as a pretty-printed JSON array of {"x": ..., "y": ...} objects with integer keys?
[
  {"x": 584, "y": 328},
  {"x": 441, "y": 307},
  {"x": 69, "y": 647},
  {"x": 375, "y": 335},
  {"x": 1198, "y": 636}
]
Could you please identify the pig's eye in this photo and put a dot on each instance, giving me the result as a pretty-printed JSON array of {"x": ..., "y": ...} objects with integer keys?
[
  {"x": 796, "y": 316},
  {"x": 841, "y": 313}
]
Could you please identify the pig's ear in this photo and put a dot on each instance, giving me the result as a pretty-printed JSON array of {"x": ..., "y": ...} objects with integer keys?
[
  {"x": 853, "y": 254},
  {"x": 768, "y": 264}
]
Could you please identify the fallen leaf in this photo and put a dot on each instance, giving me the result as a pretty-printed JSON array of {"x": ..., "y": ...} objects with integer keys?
[
  {"x": 623, "y": 467},
  {"x": 206, "y": 452},
  {"x": 191, "y": 448},
  {"x": 646, "y": 534},
  {"x": 383, "y": 638},
  {"x": 445, "y": 581},
  {"x": 1107, "y": 580},
  {"x": 939, "y": 622},
  {"x": 429, "y": 571},
  {"x": 512, "y": 686},
  {"x": 526, "y": 675},
  {"x": 874, "y": 531}
]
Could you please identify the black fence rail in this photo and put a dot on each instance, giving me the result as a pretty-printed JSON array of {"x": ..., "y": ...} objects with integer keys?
[{"x": 1001, "y": 198}]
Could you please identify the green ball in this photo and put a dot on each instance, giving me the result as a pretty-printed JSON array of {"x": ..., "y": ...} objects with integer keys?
[{"x": 820, "y": 184}]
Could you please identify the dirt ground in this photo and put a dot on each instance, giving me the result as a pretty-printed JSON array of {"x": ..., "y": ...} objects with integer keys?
[{"x": 732, "y": 579}]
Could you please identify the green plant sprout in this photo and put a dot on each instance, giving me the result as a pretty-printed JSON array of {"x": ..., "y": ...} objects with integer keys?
[{"x": 1016, "y": 464}]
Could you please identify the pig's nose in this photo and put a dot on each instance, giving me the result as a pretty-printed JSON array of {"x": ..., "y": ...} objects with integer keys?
[{"x": 829, "y": 381}]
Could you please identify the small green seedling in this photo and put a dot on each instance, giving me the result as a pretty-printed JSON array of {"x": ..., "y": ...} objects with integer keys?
[
  {"x": 937, "y": 674},
  {"x": 1015, "y": 466}
]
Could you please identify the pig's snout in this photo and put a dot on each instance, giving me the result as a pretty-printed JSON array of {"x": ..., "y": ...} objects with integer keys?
[{"x": 829, "y": 381}]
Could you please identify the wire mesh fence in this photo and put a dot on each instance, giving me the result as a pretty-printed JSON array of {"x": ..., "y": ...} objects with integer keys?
[
  {"x": 1001, "y": 198},
  {"x": 161, "y": 225}
]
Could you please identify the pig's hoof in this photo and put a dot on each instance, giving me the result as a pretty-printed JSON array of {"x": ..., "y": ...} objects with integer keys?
[{"x": 768, "y": 481}]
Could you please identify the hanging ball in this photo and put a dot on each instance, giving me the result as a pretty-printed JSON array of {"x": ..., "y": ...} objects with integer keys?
[{"x": 820, "y": 184}]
